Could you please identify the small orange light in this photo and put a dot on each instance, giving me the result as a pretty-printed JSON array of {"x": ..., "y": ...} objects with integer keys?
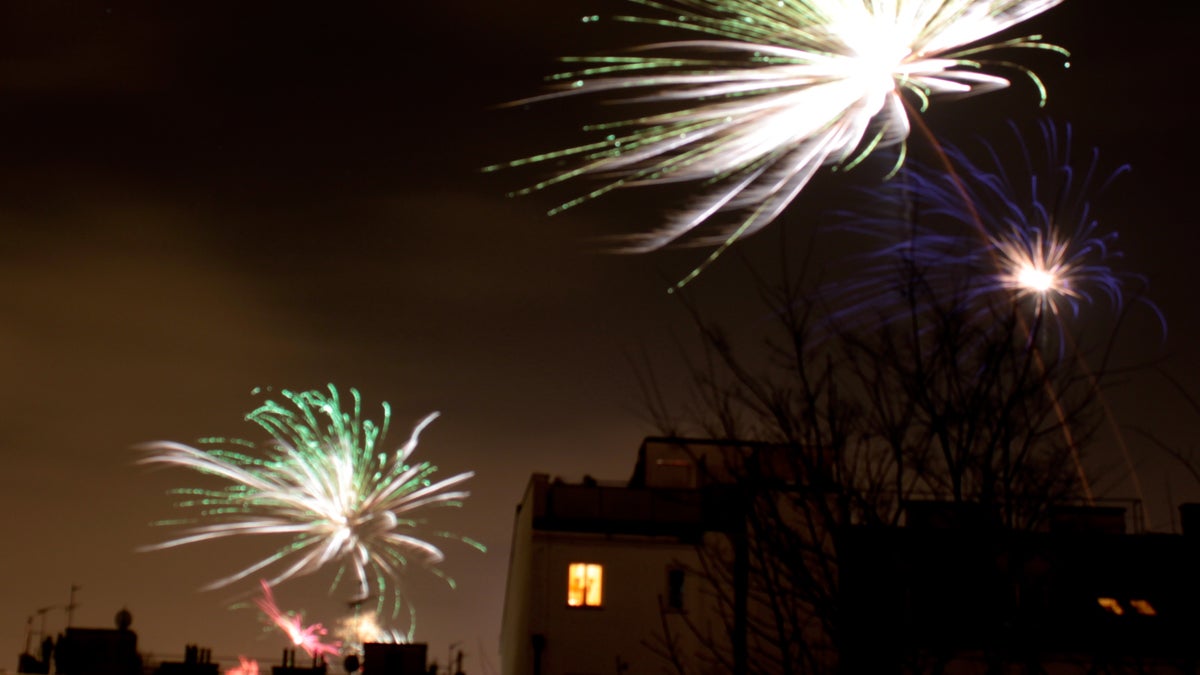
[
  {"x": 1143, "y": 607},
  {"x": 1111, "y": 605}
]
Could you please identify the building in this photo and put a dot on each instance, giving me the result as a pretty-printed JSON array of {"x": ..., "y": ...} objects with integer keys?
[
  {"x": 395, "y": 659},
  {"x": 99, "y": 651},
  {"x": 196, "y": 661},
  {"x": 609, "y": 577},
  {"x": 1080, "y": 596},
  {"x": 599, "y": 572}
]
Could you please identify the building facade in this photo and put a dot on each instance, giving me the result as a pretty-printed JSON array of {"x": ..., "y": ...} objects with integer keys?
[
  {"x": 615, "y": 578},
  {"x": 601, "y": 575}
]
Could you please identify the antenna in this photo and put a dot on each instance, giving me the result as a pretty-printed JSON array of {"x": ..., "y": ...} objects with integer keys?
[
  {"x": 41, "y": 611},
  {"x": 71, "y": 603}
]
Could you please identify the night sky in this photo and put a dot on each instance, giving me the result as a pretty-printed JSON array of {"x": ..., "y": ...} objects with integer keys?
[{"x": 197, "y": 199}]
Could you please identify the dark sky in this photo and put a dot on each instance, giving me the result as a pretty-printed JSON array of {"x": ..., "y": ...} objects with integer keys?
[{"x": 200, "y": 198}]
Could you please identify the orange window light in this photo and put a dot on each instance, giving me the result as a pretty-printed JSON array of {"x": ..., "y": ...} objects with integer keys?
[{"x": 584, "y": 584}]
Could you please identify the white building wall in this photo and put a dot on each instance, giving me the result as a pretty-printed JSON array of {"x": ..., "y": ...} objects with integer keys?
[
  {"x": 618, "y": 636},
  {"x": 515, "y": 648}
]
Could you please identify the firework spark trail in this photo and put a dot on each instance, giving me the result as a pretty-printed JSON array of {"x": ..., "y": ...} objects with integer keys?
[
  {"x": 1030, "y": 237},
  {"x": 321, "y": 483},
  {"x": 771, "y": 92},
  {"x": 308, "y": 638}
]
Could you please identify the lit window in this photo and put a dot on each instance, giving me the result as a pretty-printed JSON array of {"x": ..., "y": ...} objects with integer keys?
[
  {"x": 1143, "y": 607},
  {"x": 1111, "y": 605},
  {"x": 584, "y": 584}
]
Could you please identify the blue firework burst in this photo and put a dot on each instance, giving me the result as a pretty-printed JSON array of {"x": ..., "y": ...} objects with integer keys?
[{"x": 985, "y": 236}]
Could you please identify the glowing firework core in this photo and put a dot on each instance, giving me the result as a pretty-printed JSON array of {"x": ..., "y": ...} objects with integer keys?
[
  {"x": 1035, "y": 262},
  {"x": 878, "y": 65},
  {"x": 1038, "y": 281}
]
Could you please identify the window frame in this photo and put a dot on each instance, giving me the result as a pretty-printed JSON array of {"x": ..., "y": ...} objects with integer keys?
[{"x": 585, "y": 585}]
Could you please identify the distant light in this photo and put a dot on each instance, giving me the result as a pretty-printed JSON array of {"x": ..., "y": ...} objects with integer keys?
[
  {"x": 1143, "y": 607},
  {"x": 245, "y": 667},
  {"x": 1111, "y": 605}
]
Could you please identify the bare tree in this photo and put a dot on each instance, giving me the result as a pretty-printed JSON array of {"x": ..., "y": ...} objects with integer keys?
[
  {"x": 833, "y": 426},
  {"x": 1187, "y": 458}
]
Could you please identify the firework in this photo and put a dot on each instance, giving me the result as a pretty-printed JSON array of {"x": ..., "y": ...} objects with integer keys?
[
  {"x": 321, "y": 483},
  {"x": 361, "y": 628},
  {"x": 245, "y": 667},
  {"x": 769, "y": 92},
  {"x": 980, "y": 238},
  {"x": 308, "y": 638}
]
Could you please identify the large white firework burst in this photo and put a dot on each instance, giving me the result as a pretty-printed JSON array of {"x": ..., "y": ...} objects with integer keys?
[
  {"x": 771, "y": 90},
  {"x": 322, "y": 484}
]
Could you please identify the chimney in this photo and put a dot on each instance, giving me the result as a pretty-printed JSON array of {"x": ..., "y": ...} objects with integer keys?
[{"x": 1189, "y": 519}]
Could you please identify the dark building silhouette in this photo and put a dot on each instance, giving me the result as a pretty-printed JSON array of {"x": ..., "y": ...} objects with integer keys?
[
  {"x": 600, "y": 570},
  {"x": 955, "y": 594},
  {"x": 288, "y": 665},
  {"x": 196, "y": 661},
  {"x": 394, "y": 659},
  {"x": 99, "y": 651},
  {"x": 37, "y": 665}
]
